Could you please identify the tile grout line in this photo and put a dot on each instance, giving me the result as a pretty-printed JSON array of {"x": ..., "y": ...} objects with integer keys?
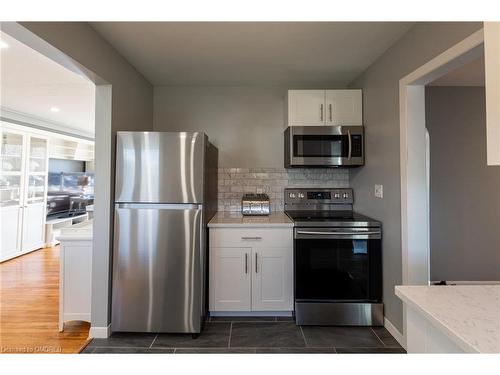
[
  {"x": 303, "y": 336},
  {"x": 230, "y": 333},
  {"x": 153, "y": 341},
  {"x": 375, "y": 333}
]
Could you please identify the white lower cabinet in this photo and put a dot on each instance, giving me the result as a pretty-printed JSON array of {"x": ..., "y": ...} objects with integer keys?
[{"x": 249, "y": 272}]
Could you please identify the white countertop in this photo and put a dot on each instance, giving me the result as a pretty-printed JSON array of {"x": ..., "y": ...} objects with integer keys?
[
  {"x": 236, "y": 219},
  {"x": 468, "y": 314},
  {"x": 64, "y": 219},
  {"x": 81, "y": 231}
]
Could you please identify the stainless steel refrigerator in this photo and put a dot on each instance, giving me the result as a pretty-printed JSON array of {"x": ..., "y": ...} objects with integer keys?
[{"x": 165, "y": 194}]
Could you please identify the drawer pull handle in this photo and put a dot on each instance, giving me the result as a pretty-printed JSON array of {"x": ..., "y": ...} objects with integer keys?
[
  {"x": 256, "y": 264},
  {"x": 246, "y": 262},
  {"x": 251, "y": 238}
]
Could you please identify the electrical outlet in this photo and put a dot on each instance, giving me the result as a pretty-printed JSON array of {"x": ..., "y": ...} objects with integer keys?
[
  {"x": 379, "y": 191},
  {"x": 260, "y": 191}
]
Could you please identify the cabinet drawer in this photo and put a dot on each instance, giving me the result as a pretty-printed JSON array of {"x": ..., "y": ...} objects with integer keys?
[{"x": 251, "y": 237}]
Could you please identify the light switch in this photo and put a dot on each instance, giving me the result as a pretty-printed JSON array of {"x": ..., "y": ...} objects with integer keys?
[{"x": 379, "y": 191}]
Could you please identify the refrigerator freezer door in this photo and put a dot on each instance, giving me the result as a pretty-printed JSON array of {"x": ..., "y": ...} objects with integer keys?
[
  {"x": 158, "y": 268},
  {"x": 160, "y": 167}
]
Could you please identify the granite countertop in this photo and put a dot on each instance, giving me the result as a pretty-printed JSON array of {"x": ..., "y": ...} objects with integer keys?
[
  {"x": 80, "y": 231},
  {"x": 468, "y": 314},
  {"x": 236, "y": 219}
]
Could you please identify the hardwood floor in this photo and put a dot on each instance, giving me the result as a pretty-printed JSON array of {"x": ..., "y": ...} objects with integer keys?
[{"x": 29, "y": 307}]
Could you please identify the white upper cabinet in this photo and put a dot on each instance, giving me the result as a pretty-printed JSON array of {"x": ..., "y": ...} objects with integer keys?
[
  {"x": 306, "y": 107},
  {"x": 344, "y": 107},
  {"x": 325, "y": 107}
]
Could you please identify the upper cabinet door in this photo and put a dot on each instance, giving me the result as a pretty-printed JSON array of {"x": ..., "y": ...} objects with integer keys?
[
  {"x": 37, "y": 170},
  {"x": 306, "y": 107},
  {"x": 344, "y": 107}
]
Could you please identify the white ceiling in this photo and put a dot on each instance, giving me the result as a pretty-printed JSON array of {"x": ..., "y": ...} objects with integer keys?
[
  {"x": 31, "y": 84},
  {"x": 232, "y": 53},
  {"x": 470, "y": 74}
]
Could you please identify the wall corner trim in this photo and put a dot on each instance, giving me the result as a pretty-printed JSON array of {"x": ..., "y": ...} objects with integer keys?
[
  {"x": 394, "y": 332},
  {"x": 102, "y": 332}
]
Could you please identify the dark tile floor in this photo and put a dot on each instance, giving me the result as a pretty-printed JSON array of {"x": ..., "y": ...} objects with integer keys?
[{"x": 254, "y": 335}]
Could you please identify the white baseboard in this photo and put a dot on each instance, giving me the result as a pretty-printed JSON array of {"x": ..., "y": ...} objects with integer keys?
[
  {"x": 394, "y": 332},
  {"x": 250, "y": 313},
  {"x": 100, "y": 332}
]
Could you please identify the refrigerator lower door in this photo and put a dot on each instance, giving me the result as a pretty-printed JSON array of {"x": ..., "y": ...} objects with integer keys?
[{"x": 158, "y": 270}]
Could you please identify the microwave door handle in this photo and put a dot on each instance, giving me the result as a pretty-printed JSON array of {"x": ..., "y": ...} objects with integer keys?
[{"x": 349, "y": 138}]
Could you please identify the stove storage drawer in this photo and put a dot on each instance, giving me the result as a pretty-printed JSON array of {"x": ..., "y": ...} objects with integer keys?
[{"x": 251, "y": 237}]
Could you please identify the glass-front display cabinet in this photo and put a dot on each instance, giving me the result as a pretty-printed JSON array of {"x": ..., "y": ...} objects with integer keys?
[{"x": 23, "y": 190}]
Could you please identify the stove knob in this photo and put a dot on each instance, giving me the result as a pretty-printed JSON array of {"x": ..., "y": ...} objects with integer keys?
[
  {"x": 292, "y": 195},
  {"x": 346, "y": 195},
  {"x": 336, "y": 195},
  {"x": 301, "y": 195}
]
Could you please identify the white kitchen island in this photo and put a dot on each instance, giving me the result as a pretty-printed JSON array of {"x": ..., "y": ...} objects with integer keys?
[
  {"x": 75, "y": 278},
  {"x": 452, "y": 319}
]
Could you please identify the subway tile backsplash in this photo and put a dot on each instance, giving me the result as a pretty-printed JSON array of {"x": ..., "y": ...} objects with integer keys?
[{"x": 234, "y": 182}]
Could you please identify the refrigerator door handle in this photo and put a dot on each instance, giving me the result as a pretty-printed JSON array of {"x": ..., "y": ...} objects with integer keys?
[{"x": 159, "y": 206}]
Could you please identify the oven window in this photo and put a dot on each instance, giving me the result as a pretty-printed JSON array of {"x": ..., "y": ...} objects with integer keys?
[
  {"x": 320, "y": 145},
  {"x": 333, "y": 269}
]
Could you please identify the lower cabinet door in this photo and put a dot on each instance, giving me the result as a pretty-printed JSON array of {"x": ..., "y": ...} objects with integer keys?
[
  {"x": 230, "y": 279},
  {"x": 10, "y": 221},
  {"x": 272, "y": 279},
  {"x": 33, "y": 226}
]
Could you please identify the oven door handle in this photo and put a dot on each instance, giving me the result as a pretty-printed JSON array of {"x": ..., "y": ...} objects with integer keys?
[
  {"x": 352, "y": 233},
  {"x": 349, "y": 138}
]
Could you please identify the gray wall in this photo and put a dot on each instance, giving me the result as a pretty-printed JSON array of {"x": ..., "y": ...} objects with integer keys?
[
  {"x": 131, "y": 108},
  {"x": 464, "y": 191},
  {"x": 381, "y": 117},
  {"x": 246, "y": 123}
]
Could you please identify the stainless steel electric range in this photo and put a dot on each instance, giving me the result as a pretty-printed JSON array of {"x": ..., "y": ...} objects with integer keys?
[{"x": 337, "y": 259}]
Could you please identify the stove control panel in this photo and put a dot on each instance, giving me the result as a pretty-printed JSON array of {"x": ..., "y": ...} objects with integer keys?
[{"x": 318, "y": 196}]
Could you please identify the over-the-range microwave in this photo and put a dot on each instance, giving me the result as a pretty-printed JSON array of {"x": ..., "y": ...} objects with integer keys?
[{"x": 324, "y": 146}]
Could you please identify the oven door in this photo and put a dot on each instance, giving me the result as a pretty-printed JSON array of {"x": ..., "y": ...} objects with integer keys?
[
  {"x": 338, "y": 265},
  {"x": 329, "y": 146}
]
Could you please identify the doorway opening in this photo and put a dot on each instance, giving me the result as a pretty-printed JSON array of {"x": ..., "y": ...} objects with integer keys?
[
  {"x": 55, "y": 124},
  {"x": 464, "y": 206},
  {"x": 414, "y": 140}
]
